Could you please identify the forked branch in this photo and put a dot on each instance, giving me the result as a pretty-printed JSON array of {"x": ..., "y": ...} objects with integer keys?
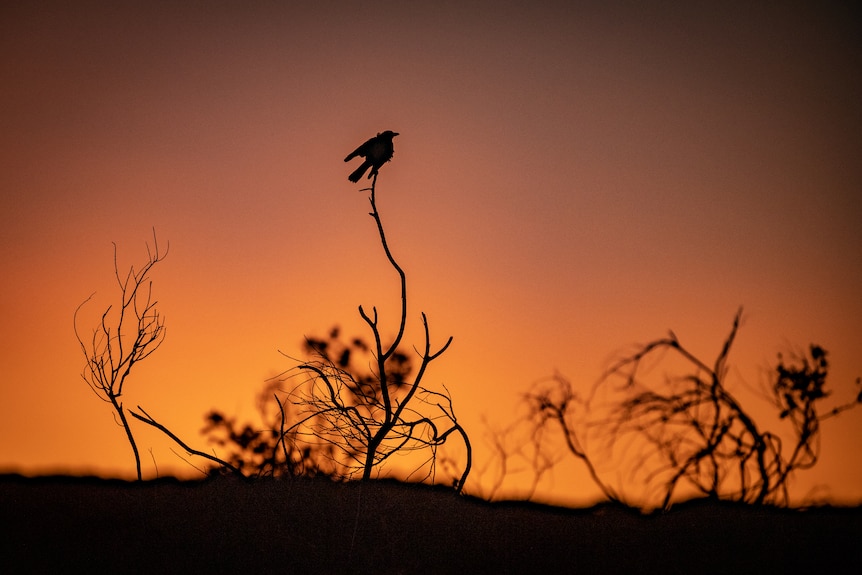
[
  {"x": 373, "y": 417},
  {"x": 133, "y": 332}
]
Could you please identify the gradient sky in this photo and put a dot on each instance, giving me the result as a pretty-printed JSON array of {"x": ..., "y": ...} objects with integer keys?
[{"x": 571, "y": 179}]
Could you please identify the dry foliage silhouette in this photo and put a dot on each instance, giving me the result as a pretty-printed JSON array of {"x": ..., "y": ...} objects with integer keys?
[
  {"x": 368, "y": 416},
  {"x": 518, "y": 460},
  {"x": 336, "y": 419},
  {"x": 688, "y": 430},
  {"x": 266, "y": 451},
  {"x": 123, "y": 336}
]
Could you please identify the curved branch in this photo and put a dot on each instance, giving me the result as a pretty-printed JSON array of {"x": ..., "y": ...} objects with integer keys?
[{"x": 150, "y": 421}]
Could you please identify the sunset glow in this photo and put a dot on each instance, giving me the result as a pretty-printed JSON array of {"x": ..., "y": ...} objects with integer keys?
[{"x": 570, "y": 180}]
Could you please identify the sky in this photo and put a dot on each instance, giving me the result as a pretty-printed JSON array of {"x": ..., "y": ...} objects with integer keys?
[{"x": 571, "y": 179}]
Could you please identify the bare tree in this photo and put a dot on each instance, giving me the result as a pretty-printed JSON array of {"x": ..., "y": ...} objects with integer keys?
[
  {"x": 689, "y": 429},
  {"x": 123, "y": 336},
  {"x": 369, "y": 418}
]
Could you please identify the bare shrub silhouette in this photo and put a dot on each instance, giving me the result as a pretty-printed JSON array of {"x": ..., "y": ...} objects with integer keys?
[
  {"x": 368, "y": 416},
  {"x": 341, "y": 420},
  {"x": 518, "y": 460},
  {"x": 689, "y": 429},
  {"x": 123, "y": 336},
  {"x": 266, "y": 451},
  {"x": 555, "y": 407}
]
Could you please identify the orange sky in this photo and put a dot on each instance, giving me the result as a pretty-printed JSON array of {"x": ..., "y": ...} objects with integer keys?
[{"x": 570, "y": 180}]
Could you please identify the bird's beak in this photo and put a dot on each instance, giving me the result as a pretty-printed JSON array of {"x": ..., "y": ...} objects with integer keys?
[{"x": 394, "y": 134}]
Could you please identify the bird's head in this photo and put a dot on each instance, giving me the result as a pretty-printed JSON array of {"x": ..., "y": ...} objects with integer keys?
[{"x": 388, "y": 134}]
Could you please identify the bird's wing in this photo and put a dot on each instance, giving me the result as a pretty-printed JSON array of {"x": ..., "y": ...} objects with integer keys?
[{"x": 361, "y": 150}]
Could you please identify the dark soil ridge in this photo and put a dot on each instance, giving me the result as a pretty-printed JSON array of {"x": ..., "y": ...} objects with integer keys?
[{"x": 61, "y": 524}]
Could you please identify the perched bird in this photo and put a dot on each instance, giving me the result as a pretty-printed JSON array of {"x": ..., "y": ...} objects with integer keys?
[{"x": 376, "y": 151}]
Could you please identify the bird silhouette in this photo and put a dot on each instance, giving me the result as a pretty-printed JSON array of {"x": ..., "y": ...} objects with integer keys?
[{"x": 376, "y": 151}]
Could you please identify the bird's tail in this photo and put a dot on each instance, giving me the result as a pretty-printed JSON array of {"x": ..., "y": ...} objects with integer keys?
[{"x": 358, "y": 173}]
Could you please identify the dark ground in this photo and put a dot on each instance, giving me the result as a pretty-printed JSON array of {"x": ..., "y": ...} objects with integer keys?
[{"x": 87, "y": 525}]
